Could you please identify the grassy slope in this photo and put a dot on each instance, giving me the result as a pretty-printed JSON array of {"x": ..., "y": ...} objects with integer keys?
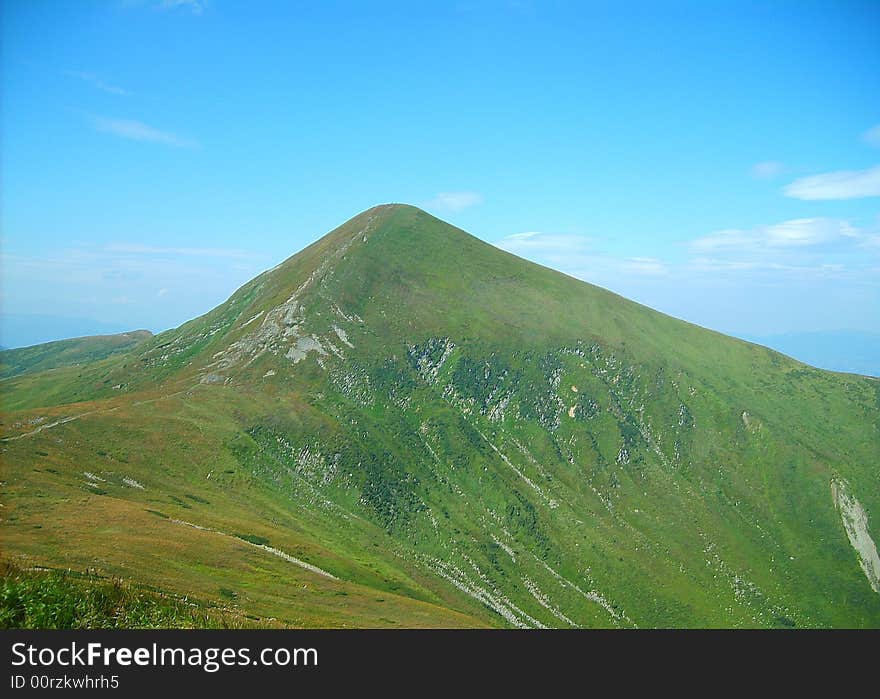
[
  {"x": 643, "y": 497},
  {"x": 80, "y": 350},
  {"x": 63, "y": 599}
]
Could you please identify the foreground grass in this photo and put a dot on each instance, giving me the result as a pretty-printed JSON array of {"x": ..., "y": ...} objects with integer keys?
[{"x": 54, "y": 599}]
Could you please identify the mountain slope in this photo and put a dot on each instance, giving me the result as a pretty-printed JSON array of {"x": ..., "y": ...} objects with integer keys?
[{"x": 403, "y": 410}]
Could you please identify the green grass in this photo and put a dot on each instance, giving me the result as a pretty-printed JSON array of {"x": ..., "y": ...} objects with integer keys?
[
  {"x": 487, "y": 442},
  {"x": 254, "y": 539},
  {"x": 54, "y": 599}
]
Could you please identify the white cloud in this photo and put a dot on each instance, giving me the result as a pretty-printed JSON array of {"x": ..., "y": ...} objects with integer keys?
[
  {"x": 544, "y": 242},
  {"x": 715, "y": 264},
  {"x": 95, "y": 81},
  {"x": 767, "y": 170},
  {"x": 124, "y": 283},
  {"x": 453, "y": 201},
  {"x": 800, "y": 232},
  {"x": 138, "y": 131},
  {"x": 844, "y": 184},
  {"x": 137, "y": 249},
  {"x": 577, "y": 255},
  {"x": 769, "y": 268},
  {"x": 644, "y": 265},
  {"x": 196, "y": 6},
  {"x": 796, "y": 250},
  {"x": 872, "y": 136},
  {"x": 808, "y": 231}
]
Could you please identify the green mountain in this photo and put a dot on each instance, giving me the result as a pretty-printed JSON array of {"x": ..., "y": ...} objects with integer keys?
[
  {"x": 79, "y": 350},
  {"x": 404, "y": 426}
]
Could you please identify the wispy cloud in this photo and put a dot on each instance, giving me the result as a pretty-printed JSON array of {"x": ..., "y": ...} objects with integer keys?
[
  {"x": 139, "y": 131},
  {"x": 796, "y": 249},
  {"x": 872, "y": 136},
  {"x": 195, "y": 6},
  {"x": 578, "y": 255},
  {"x": 182, "y": 280},
  {"x": 97, "y": 82},
  {"x": 453, "y": 201},
  {"x": 843, "y": 184},
  {"x": 808, "y": 248},
  {"x": 800, "y": 272},
  {"x": 644, "y": 265},
  {"x": 799, "y": 232},
  {"x": 767, "y": 170},
  {"x": 138, "y": 249},
  {"x": 545, "y": 242},
  {"x": 767, "y": 269}
]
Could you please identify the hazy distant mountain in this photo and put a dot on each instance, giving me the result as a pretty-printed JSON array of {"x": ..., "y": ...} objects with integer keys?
[{"x": 404, "y": 426}]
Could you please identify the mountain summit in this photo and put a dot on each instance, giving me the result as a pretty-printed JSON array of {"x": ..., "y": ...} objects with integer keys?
[{"x": 403, "y": 425}]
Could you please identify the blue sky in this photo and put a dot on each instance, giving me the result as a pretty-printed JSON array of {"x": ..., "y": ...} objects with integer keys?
[{"x": 716, "y": 161}]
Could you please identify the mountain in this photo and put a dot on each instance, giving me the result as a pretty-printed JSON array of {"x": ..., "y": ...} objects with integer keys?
[
  {"x": 80, "y": 350},
  {"x": 402, "y": 425}
]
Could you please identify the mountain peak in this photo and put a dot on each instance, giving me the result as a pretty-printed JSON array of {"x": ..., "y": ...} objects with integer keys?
[{"x": 383, "y": 211}]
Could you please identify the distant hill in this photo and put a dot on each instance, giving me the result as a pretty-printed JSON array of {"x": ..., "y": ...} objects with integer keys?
[
  {"x": 29, "y": 329},
  {"x": 80, "y": 350},
  {"x": 402, "y": 425}
]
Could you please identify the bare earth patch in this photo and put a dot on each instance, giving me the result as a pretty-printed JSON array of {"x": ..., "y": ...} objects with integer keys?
[{"x": 855, "y": 521}]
